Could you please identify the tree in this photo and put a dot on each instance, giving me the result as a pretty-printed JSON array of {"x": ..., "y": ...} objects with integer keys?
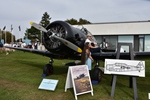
[
  {"x": 83, "y": 21},
  {"x": 8, "y": 36},
  {"x": 72, "y": 21},
  {"x": 76, "y": 22},
  {"x": 45, "y": 19},
  {"x": 34, "y": 34}
]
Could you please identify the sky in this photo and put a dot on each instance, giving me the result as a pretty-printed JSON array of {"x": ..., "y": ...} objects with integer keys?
[{"x": 22, "y": 12}]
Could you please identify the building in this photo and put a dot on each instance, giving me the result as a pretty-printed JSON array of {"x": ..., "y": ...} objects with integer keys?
[{"x": 135, "y": 32}]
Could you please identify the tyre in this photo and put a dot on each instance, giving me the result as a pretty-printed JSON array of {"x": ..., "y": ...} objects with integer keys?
[
  {"x": 48, "y": 69},
  {"x": 97, "y": 74}
]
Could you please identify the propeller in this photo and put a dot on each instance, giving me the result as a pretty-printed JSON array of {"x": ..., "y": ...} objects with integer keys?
[
  {"x": 64, "y": 41},
  {"x": 39, "y": 27}
]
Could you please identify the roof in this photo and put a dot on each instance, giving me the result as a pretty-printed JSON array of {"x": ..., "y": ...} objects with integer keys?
[{"x": 119, "y": 28}]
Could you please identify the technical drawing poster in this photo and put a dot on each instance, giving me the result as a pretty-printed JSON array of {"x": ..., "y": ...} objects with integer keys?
[{"x": 125, "y": 67}]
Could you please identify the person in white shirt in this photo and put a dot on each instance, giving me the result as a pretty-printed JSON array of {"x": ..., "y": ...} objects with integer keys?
[
  {"x": 93, "y": 46},
  {"x": 7, "y": 49},
  {"x": 104, "y": 44}
]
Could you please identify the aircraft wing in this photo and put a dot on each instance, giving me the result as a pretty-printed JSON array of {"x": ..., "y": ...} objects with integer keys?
[
  {"x": 96, "y": 56},
  {"x": 123, "y": 55},
  {"x": 35, "y": 51}
]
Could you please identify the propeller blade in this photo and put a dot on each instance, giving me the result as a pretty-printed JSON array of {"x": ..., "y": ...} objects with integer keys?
[
  {"x": 69, "y": 44},
  {"x": 39, "y": 27},
  {"x": 65, "y": 42}
]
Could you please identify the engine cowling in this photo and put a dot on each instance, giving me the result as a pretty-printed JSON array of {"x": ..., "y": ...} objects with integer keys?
[{"x": 65, "y": 31}]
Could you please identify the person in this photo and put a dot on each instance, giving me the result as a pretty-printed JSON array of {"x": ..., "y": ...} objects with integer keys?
[
  {"x": 23, "y": 45},
  {"x": 35, "y": 45},
  {"x": 121, "y": 50},
  {"x": 93, "y": 45},
  {"x": 86, "y": 57},
  {"x": 104, "y": 44},
  {"x": 30, "y": 45},
  {"x": 1, "y": 46},
  {"x": 7, "y": 49}
]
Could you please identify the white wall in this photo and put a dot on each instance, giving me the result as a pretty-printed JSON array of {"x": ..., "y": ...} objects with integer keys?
[{"x": 121, "y": 28}]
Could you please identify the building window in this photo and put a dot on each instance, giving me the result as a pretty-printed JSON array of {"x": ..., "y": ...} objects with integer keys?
[
  {"x": 126, "y": 39},
  {"x": 147, "y": 43},
  {"x": 111, "y": 40},
  {"x": 141, "y": 43}
]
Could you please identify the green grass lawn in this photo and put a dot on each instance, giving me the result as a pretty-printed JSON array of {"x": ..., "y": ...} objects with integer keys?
[{"x": 20, "y": 77}]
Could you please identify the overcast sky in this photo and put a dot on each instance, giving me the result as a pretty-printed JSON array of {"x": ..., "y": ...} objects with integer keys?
[{"x": 21, "y": 12}]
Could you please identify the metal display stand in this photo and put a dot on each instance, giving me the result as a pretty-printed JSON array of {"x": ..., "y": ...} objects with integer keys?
[{"x": 132, "y": 78}]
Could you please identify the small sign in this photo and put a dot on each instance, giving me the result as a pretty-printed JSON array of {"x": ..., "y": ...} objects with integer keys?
[
  {"x": 48, "y": 84},
  {"x": 78, "y": 77},
  {"x": 148, "y": 96}
]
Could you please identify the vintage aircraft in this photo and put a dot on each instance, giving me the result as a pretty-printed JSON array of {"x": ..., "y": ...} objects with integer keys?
[
  {"x": 65, "y": 41},
  {"x": 61, "y": 41}
]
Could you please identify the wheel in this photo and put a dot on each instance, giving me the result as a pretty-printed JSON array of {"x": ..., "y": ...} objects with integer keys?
[
  {"x": 97, "y": 74},
  {"x": 48, "y": 69}
]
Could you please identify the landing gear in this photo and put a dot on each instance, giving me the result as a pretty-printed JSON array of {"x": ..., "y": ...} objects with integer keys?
[
  {"x": 97, "y": 73},
  {"x": 48, "y": 68}
]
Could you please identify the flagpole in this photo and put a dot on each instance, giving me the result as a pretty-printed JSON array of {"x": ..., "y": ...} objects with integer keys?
[
  {"x": 41, "y": 36},
  {"x": 5, "y": 37},
  {"x": 12, "y": 34},
  {"x": 5, "y": 34},
  {"x": 0, "y": 35},
  {"x": 19, "y": 33},
  {"x": 11, "y": 38}
]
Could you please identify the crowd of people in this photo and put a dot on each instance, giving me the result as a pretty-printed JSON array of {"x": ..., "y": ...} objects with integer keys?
[{"x": 35, "y": 45}]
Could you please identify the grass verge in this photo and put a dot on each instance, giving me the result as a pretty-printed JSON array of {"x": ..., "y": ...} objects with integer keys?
[{"x": 20, "y": 77}]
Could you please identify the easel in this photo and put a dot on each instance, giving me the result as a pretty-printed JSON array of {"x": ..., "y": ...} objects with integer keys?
[
  {"x": 71, "y": 77},
  {"x": 132, "y": 78}
]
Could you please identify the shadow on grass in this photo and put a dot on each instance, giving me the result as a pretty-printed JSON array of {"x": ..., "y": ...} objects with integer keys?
[
  {"x": 31, "y": 63},
  {"x": 57, "y": 69}
]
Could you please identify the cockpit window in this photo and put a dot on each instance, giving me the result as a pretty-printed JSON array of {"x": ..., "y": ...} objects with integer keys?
[{"x": 82, "y": 28}]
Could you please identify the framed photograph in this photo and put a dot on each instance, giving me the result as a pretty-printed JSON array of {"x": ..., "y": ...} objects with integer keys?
[
  {"x": 78, "y": 77},
  {"x": 81, "y": 79}
]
